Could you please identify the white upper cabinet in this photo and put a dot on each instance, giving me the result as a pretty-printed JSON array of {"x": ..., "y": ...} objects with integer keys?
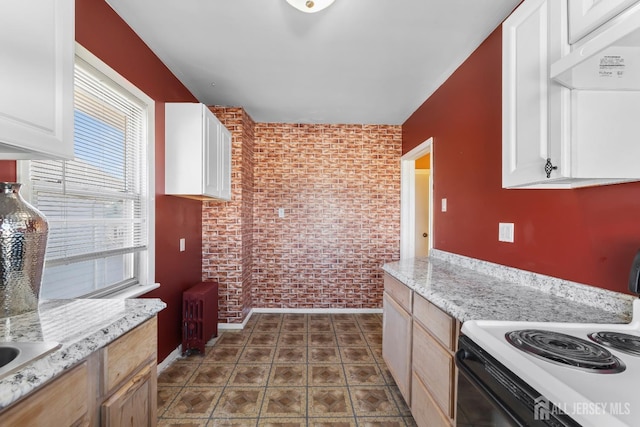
[
  {"x": 197, "y": 153},
  {"x": 36, "y": 79},
  {"x": 587, "y": 15},
  {"x": 553, "y": 137}
]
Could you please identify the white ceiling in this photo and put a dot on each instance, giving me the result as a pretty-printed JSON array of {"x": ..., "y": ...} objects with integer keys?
[{"x": 359, "y": 61}]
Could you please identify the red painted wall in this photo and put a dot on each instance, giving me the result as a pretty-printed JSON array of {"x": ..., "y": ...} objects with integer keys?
[
  {"x": 101, "y": 31},
  {"x": 585, "y": 235}
]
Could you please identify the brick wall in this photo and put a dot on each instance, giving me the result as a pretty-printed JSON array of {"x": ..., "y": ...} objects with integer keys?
[
  {"x": 339, "y": 186},
  {"x": 227, "y": 226}
]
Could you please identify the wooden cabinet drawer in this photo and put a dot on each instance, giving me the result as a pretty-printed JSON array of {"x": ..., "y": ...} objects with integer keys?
[
  {"x": 399, "y": 291},
  {"x": 437, "y": 322},
  {"x": 63, "y": 402},
  {"x": 125, "y": 355},
  {"x": 424, "y": 410},
  {"x": 434, "y": 365}
]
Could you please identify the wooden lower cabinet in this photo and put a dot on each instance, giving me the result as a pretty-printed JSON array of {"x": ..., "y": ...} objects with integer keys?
[
  {"x": 435, "y": 336},
  {"x": 396, "y": 344},
  {"x": 435, "y": 367},
  {"x": 62, "y": 402},
  {"x": 130, "y": 379},
  {"x": 134, "y": 404},
  {"x": 419, "y": 341},
  {"x": 424, "y": 410},
  {"x": 115, "y": 386}
]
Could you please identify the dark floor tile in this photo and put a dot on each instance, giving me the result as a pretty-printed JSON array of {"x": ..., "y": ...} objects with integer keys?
[
  {"x": 284, "y": 402},
  {"x": 177, "y": 374},
  {"x": 223, "y": 354},
  {"x": 193, "y": 402},
  {"x": 322, "y": 339},
  {"x": 288, "y": 375},
  {"x": 239, "y": 402},
  {"x": 324, "y": 355},
  {"x": 329, "y": 402},
  {"x": 291, "y": 355},
  {"x": 373, "y": 401},
  {"x": 326, "y": 375},
  {"x": 356, "y": 355}
]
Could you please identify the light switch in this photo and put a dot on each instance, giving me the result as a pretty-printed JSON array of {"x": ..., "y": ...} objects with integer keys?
[
  {"x": 280, "y": 212},
  {"x": 505, "y": 232},
  {"x": 444, "y": 205},
  {"x": 182, "y": 244}
]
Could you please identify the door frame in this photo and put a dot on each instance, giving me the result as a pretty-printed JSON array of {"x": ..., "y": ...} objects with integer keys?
[{"x": 408, "y": 199}]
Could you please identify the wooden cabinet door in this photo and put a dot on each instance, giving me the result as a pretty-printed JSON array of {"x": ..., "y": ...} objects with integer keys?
[
  {"x": 135, "y": 403},
  {"x": 425, "y": 411},
  {"x": 63, "y": 402},
  {"x": 435, "y": 367},
  {"x": 36, "y": 105},
  {"x": 396, "y": 344}
]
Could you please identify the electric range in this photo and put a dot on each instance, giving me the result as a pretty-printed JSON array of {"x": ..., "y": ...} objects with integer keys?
[{"x": 561, "y": 373}]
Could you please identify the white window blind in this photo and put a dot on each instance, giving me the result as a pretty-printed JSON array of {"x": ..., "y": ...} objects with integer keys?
[{"x": 96, "y": 203}]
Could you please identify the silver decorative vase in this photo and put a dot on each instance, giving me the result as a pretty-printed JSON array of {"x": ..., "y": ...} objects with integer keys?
[{"x": 23, "y": 241}]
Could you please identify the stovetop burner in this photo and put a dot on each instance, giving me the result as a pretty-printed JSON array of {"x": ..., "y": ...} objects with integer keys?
[
  {"x": 618, "y": 341},
  {"x": 566, "y": 350}
]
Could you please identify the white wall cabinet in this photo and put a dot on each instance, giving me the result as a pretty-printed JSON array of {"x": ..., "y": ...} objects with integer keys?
[
  {"x": 197, "y": 153},
  {"x": 587, "y": 15},
  {"x": 553, "y": 137},
  {"x": 36, "y": 79}
]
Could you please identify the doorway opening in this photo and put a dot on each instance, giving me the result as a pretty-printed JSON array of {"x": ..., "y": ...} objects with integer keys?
[{"x": 408, "y": 201}]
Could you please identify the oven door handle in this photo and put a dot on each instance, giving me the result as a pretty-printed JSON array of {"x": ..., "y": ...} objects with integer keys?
[{"x": 461, "y": 356}]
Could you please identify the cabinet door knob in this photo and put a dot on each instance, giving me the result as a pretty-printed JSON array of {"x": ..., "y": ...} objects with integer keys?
[{"x": 548, "y": 167}]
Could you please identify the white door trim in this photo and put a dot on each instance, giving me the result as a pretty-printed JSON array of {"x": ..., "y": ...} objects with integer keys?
[{"x": 408, "y": 199}]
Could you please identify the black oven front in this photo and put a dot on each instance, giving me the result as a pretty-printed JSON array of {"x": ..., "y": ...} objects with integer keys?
[{"x": 491, "y": 395}]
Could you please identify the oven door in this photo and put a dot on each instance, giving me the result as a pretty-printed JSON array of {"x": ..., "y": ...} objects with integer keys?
[{"x": 491, "y": 395}]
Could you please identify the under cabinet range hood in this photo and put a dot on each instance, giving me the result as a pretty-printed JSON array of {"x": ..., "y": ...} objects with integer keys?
[{"x": 607, "y": 60}]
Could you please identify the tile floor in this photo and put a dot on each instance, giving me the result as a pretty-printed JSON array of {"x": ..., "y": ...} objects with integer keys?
[{"x": 286, "y": 370}]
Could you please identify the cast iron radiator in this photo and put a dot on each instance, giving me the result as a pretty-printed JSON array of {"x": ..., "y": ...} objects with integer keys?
[{"x": 199, "y": 316}]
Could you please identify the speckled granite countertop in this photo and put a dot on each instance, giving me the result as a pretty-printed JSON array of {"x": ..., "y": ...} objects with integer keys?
[
  {"x": 80, "y": 326},
  {"x": 470, "y": 289}
]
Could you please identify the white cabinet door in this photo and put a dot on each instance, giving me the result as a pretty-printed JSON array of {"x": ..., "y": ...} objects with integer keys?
[
  {"x": 553, "y": 137},
  {"x": 534, "y": 109},
  {"x": 587, "y": 15},
  {"x": 211, "y": 156},
  {"x": 224, "y": 140},
  {"x": 197, "y": 153},
  {"x": 36, "y": 79}
]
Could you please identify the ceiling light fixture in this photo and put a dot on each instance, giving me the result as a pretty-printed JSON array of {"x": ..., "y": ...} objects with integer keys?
[{"x": 310, "y": 6}]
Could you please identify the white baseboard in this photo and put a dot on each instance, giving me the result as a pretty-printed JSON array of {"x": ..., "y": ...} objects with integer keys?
[{"x": 172, "y": 357}]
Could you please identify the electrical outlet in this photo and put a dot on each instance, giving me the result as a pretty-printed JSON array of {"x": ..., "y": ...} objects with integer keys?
[
  {"x": 280, "y": 212},
  {"x": 505, "y": 232}
]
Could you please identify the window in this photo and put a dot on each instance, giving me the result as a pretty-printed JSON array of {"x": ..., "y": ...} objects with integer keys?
[{"x": 99, "y": 204}]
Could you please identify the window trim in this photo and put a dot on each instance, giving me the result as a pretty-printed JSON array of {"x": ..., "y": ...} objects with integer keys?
[{"x": 146, "y": 267}]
